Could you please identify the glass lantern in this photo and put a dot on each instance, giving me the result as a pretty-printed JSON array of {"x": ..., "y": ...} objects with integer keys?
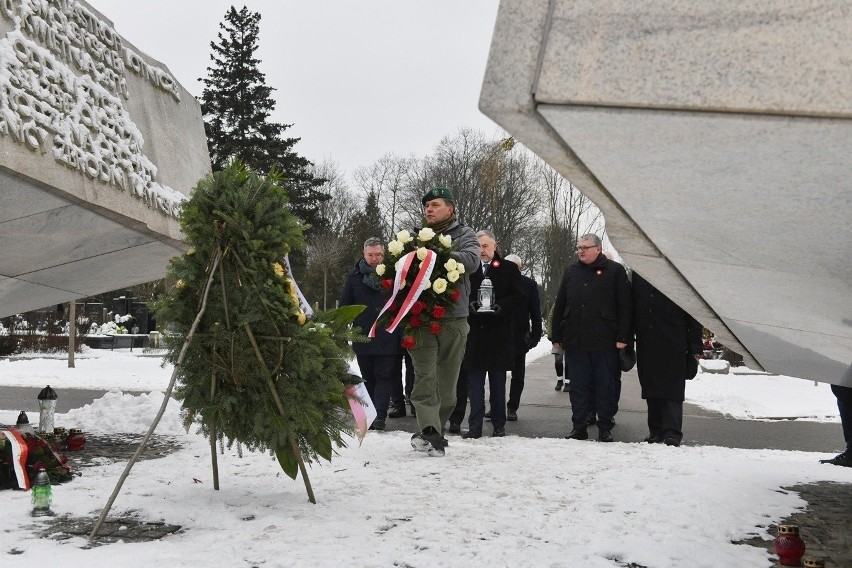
[{"x": 486, "y": 296}]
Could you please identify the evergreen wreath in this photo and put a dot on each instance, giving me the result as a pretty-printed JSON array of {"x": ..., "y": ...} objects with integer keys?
[
  {"x": 256, "y": 371},
  {"x": 406, "y": 259}
]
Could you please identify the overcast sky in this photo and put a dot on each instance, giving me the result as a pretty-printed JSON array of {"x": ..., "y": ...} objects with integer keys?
[{"x": 357, "y": 79}]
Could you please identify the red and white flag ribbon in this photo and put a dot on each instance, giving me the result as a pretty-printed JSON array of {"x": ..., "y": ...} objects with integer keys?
[
  {"x": 403, "y": 266},
  {"x": 19, "y": 456}
]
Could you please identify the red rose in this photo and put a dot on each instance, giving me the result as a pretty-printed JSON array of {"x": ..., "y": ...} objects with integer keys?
[
  {"x": 407, "y": 342},
  {"x": 455, "y": 294},
  {"x": 394, "y": 307},
  {"x": 387, "y": 283},
  {"x": 417, "y": 308},
  {"x": 438, "y": 312},
  {"x": 435, "y": 329},
  {"x": 414, "y": 321}
]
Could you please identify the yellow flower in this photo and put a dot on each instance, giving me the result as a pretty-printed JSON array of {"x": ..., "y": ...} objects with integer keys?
[
  {"x": 395, "y": 247},
  {"x": 180, "y": 284},
  {"x": 279, "y": 270},
  {"x": 380, "y": 269},
  {"x": 425, "y": 234},
  {"x": 451, "y": 264},
  {"x": 439, "y": 286},
  {"x": 453, "y": 275},
  {"x": 301, "y": 317},
  {"x": 460, "y": 268},
  {"x": 404, "y": 237},
  {"x": 445, "y": 240},
  {"x": 421, "y": 253},
  {"x": 191, "y": 251}
]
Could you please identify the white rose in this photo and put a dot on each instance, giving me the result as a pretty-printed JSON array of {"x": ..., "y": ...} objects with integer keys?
[
  {"x": 426, "y": 284},
  {"x": 439, "y": 286},
  {"x": 404, "y": 237},
  {"x": 421, "y": 253},
  {"x": 451, "y": 264},
  {"x": 380, "y": 269},
  {"x": 395, "y": 247},
  {"x": 445, "y": 240},
  {"x": 425, "y": 234},
  {"x": 460, "y": 268},
  {"x": 453, "y": 275}
]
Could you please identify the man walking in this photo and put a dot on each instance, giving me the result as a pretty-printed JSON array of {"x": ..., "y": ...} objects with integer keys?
[
  {"x": 376, "y": 358},
  {"x": 668, "y": 345},
  {"x": 437, "y": 358},
  {"x": 491, "y": 344},
  {"x": 593, "y": 311},
  {"x": 527, "y": 335}
]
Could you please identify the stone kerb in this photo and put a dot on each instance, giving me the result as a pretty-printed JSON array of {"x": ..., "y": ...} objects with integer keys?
[{"x": 88, "y": 117}]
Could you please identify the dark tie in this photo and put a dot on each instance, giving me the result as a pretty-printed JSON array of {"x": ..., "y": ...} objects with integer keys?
[{"x": 484, "y": 269}]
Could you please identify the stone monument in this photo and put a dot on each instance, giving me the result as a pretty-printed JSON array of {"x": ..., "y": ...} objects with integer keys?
[
  {"x": 99, "y": 147},
  {"x": 715, "y": 137}
]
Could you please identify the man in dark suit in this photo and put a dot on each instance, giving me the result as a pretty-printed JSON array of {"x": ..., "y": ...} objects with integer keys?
[
  {"x": 593, "y": 311},
  {"x": 668, "y": 345},
  {"x": 490, "y": 343},
  {"x": 376, "y": 358},
  {"x": 527, "y": 335}
]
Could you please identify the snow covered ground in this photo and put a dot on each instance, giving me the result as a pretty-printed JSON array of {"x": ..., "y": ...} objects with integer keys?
[{"x": 490, "y": 502}]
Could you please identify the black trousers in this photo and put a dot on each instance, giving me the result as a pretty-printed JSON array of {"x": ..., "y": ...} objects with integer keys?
[
  {"x": 844, "y": 405},
  {"x": 665, "y": 418},
  {"x": 519, "y": 371},
  {"x": 592, "y": 386},
  {"x": 457, "y": 416},
  {"x": 378, "y": 374},
  {"x": 400, "y": 393}
]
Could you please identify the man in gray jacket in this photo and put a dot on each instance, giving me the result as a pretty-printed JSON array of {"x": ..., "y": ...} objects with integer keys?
[{"x": 437, "y": 358}]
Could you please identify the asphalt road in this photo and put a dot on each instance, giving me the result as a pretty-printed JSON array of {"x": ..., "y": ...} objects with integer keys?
[{"x": 546, "y": 413}]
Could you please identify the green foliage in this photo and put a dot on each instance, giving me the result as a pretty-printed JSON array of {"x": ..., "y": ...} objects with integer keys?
[{"x": 222, "y": 381}]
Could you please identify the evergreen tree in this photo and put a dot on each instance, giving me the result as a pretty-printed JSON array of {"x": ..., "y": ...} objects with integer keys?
[
  {"x": 237, "y": 105},
  {"x": 363, "y": 225}
]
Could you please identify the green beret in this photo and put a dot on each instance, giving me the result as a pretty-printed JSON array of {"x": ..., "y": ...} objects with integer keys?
[{"x": 437, "y": 192}]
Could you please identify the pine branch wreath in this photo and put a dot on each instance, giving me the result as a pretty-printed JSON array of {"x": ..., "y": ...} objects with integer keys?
[{"x": 258, "y": 372}]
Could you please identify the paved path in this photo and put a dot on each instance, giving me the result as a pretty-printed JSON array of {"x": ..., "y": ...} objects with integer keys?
[{"x": 546, "y": 413}]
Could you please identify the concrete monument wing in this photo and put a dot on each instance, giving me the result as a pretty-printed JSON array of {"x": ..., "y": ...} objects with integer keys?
[
  {"x": 715, "y": 137},
  {"x": 99, "y": 147}
]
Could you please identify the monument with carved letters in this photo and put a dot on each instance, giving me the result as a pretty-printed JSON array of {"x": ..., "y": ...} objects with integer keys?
[{"x": 99, "y": 146}]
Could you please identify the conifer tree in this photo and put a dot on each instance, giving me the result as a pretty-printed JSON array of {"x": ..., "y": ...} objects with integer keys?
[{"x": 237, "y": 105}]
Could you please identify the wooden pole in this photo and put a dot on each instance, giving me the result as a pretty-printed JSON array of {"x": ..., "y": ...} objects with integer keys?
[
  {"x": 72, "y": 332},
  {"x": 294, "y": 445},
  {"x": 214, "y": 458},
  {"x": 166, "y": 398}
]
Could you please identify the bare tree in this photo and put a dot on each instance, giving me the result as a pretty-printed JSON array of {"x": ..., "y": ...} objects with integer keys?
[
  {"x": 326, "y": 252},
  {"x": 335, "y": 211},
  {"x": 388, "y": 179}
]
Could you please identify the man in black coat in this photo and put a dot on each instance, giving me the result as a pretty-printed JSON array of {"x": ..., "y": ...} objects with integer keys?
[
  {"x": 377, "y": 358},
  {"x": 593, "y": 308},
  {"x": 668, "y": 346},
  {"x": 490, "y": 343},
  {"x": 527, "y": 335}
]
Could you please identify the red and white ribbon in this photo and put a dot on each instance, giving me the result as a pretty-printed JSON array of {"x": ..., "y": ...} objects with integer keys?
[
  {"x": 403, "y": 266},
  {"x": 19, "y": 456}
]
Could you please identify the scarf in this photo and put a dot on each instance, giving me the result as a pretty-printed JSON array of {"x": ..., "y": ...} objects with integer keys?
[
  {"x": 369, "y": 274},
  {"x": 442, "y": 226}
]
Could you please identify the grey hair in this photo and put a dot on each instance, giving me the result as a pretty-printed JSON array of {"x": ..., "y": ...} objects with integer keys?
[
  {"x": 486, "y": 233},
  {"x": 373, "y": 242},
  {"x": 596, "y": 240},
  {"x": 516, "y": 259}
]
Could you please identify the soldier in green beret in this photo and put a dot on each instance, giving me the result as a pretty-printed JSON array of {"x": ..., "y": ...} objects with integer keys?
[{"x": 437, "y": 358}]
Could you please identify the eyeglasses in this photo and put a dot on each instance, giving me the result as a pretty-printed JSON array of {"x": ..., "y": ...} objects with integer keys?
[{"x": 582, "y": 248}]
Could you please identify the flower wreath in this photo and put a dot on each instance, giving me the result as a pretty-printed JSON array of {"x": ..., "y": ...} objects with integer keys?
[{"x": 421, "y": 276}]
